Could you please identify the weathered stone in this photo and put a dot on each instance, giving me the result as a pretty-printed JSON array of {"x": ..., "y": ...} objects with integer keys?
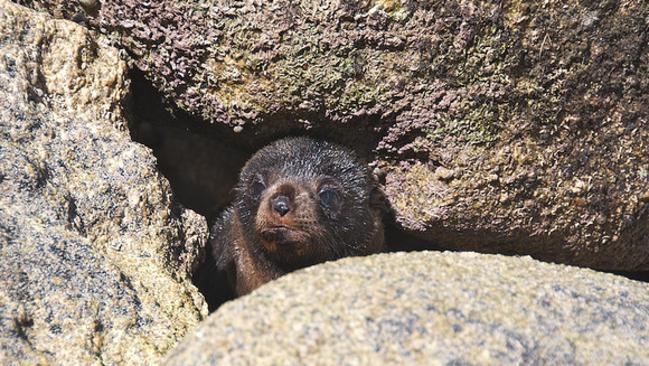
[
  {"x": 540, "y": 107},
  {"x": 429, "y": 309},
  {"x": 95, "y": 254},
  {"x": 58, "y": 8}
]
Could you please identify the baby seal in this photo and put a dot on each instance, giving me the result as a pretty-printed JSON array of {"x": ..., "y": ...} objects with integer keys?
[{"x": 298, "y": 202}]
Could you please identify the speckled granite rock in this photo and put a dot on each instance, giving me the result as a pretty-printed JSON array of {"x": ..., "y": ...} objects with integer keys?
[
  {"x": 95, "y": 255},
  {"x": 428, "y": 309},
  {"x": 511, "y": 127}
]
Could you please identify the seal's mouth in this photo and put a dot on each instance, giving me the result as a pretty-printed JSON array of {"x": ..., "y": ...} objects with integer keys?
[{"x": 282, "y": 235}]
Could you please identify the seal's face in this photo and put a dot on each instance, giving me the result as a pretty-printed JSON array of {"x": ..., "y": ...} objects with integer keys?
[
  {"x": 295, "y": 217},
  {"x": 303, "y": 202}
]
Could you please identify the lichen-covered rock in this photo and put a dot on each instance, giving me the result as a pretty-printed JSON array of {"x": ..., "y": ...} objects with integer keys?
[
  {"x": 517, "y": 127},
  {"x": 95, "y": 255},
  {"x": 429, "y": 308}
]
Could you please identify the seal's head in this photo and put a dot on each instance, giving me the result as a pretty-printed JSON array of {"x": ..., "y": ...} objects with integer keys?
[{"x": 302, "y": 201}]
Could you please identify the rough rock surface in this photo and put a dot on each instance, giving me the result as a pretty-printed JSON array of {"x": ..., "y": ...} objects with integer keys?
[
  {"x": 516, "y": 127},
  {"x": 429, "y": 308},
  {"x": 95, "y": 255}
]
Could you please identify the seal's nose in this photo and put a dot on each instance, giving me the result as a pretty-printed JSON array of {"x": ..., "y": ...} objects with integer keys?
[{"x": 281, "y": 205}]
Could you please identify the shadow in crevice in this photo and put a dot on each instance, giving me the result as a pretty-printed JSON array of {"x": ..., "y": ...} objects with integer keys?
[
  {"x": 201, "y": 161},
  {"x": 211, "y": 283}
]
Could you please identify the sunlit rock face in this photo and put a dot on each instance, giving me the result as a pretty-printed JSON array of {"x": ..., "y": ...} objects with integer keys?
[
  {"x": 429, "y": 308},
  {"x": 95, "y": 253}
]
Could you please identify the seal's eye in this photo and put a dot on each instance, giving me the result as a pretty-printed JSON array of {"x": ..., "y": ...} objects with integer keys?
[
  {"x": 328, "y": 198},
  {"x": 257, "y": 187}
]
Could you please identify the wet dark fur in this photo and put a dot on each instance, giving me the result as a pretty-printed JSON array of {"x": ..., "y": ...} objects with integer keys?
[{"x": 254, "y": 244}]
